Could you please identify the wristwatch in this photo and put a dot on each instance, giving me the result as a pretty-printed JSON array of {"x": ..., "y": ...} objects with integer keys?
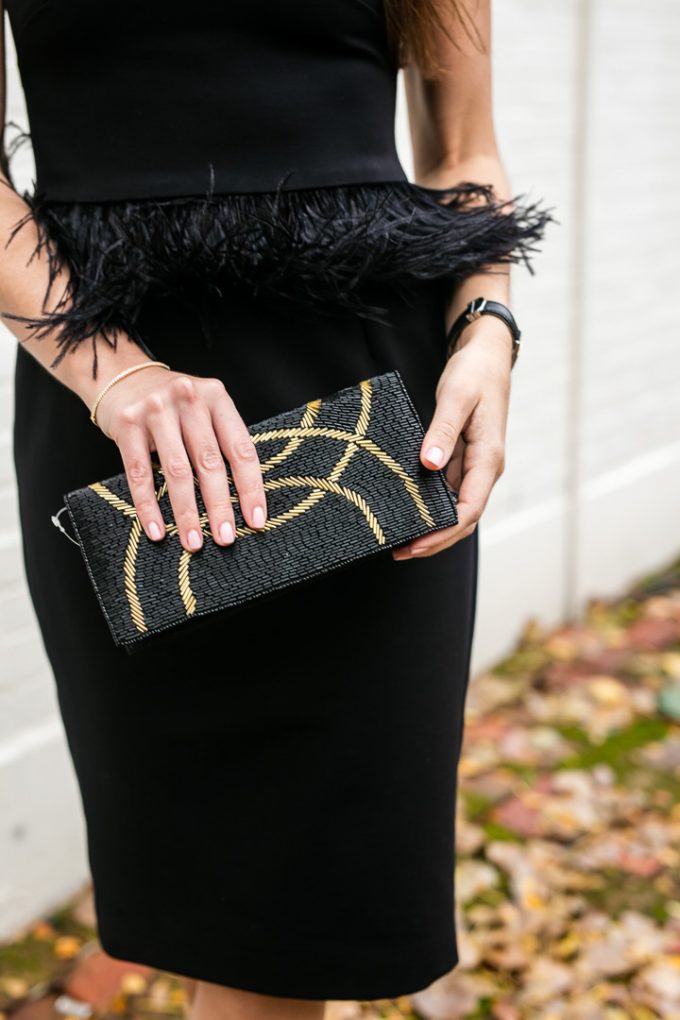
[{"x": 485, "y": 306}]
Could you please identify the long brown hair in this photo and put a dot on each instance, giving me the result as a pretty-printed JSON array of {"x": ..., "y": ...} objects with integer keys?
[{"x": 413, "y": 27}]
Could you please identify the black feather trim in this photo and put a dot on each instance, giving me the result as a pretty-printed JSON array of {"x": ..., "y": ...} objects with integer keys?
[{"x": 309, "y": 247}]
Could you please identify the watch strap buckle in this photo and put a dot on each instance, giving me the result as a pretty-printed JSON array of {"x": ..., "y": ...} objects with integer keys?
[{"x": 476, "y": 308}]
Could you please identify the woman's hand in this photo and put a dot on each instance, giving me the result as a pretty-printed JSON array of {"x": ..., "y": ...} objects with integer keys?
[
  {"x": 189, "y": 421},
  {"x": 467, "y": 432}
]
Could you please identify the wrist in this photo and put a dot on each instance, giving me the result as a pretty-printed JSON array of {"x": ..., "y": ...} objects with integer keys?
[
  {"x": 120, "y": 378},
  {"x": 488, "y": 333},
  {"x": 475, "y": 312},
  {"x": 75, "y": 370}
]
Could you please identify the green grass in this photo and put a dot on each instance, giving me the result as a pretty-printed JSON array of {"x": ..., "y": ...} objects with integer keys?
[
  {"x": 620, "y": 891},
  {"x": 614, "y": 750}
]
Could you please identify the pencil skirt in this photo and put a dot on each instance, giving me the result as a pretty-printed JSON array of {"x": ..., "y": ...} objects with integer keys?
[{"x": 269, "y": 798}]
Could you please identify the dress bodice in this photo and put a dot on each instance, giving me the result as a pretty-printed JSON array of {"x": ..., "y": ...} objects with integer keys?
[{"x": 133, "y": 99}]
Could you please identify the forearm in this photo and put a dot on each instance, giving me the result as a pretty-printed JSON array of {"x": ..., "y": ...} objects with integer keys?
[
  {"x": 494, "y": 283},
  {"x": 24, "y": 277}
]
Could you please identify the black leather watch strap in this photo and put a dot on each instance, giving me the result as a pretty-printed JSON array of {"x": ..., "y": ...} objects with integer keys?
[{"x": 485, "y": 306}]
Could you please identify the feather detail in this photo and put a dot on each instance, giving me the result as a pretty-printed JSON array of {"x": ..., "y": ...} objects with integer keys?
[{"x": 315, "y": 247}]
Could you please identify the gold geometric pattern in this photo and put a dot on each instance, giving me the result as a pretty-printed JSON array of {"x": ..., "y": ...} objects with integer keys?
[{"x": 319, "y": 489}]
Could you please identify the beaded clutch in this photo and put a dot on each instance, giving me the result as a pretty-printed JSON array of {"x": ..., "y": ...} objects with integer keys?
[{"x": 343, "y": 479}]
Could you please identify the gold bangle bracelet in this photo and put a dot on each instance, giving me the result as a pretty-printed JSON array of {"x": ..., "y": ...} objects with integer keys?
[{"x": 117, "y": 378}]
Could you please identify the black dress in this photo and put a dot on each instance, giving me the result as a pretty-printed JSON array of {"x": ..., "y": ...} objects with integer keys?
[{"x": 269, "y": 805}]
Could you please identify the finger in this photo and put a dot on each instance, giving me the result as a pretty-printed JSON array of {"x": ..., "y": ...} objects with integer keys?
[
  {"x": 451, "y": 413},
  {"x": 420, "y": 552},
  {"x": 440, "y": 538},
  {"x": 478, "y": 481},
  {"x": 454, "y": 468},
  {"x": 205, "y": 453},
  {"x": 179, "y": 476},
  {"x": 242, "y": 455},
  {"x": 410, "y": 552},
  {"x": 134, "y": 448},
  {"x": 472, "y": 499}
]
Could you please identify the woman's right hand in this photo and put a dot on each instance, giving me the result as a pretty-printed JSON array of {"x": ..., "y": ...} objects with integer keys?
[{"x": 190, "y": 421}]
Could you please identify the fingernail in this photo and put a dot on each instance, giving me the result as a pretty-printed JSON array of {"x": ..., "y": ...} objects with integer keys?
[
  {"x": 415, "y": 549},
  {"x": 436, "y": 455},
  {"x": 154, "y": 530},
  {"x": 226, "y": 532},
  {"x": 194, "y": 539},
  {"x": 258, "y": 517}
]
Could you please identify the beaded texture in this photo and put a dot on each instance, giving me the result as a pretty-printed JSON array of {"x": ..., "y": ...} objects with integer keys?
[{"x": 343, "y": 478}]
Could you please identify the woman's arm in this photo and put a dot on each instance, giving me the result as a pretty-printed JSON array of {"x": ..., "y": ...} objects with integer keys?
[
  {"x": 453, "y": 135},
  {"x": 188, "y": 420}
]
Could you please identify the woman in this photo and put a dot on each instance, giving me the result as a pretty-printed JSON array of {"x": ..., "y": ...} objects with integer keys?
[{"x": 269, "y": 806}]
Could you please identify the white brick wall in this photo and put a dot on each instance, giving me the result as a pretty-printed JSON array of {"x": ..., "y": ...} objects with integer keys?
[
  {"x": 591, "y": 495},
  {"x": 587, "y": 93}
]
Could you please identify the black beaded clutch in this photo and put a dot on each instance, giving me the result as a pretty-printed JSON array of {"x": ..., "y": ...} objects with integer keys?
[{"x": 343, "y": 479}]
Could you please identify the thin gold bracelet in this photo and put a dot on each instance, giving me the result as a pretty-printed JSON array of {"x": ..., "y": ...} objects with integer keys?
[{"x": 117, "y": 378}]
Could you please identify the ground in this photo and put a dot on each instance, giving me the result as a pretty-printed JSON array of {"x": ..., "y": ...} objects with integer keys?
[{"x": 568, "y": 840}]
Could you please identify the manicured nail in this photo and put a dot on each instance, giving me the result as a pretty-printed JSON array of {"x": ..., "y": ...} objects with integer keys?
[
  {"x": 258, "y": 517},
  {"x": 194, "y": 539},
  {"x": 154, "y": 530},
  {"x": 226, "y": 532},
  {"x": 436, "y": 455}
]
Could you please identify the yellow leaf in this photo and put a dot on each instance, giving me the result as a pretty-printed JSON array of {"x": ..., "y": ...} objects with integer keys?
[
  {"x": 15, "y": 987},
  {"x": 567, "y": 945},
  {"x": 133, "y": 984},
  {"x": 66, "y": 947},
  {"x": 642, "y": 1013}
]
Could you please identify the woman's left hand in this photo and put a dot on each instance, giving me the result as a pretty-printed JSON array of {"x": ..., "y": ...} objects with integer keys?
[{"x": 466, "y": 437}]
